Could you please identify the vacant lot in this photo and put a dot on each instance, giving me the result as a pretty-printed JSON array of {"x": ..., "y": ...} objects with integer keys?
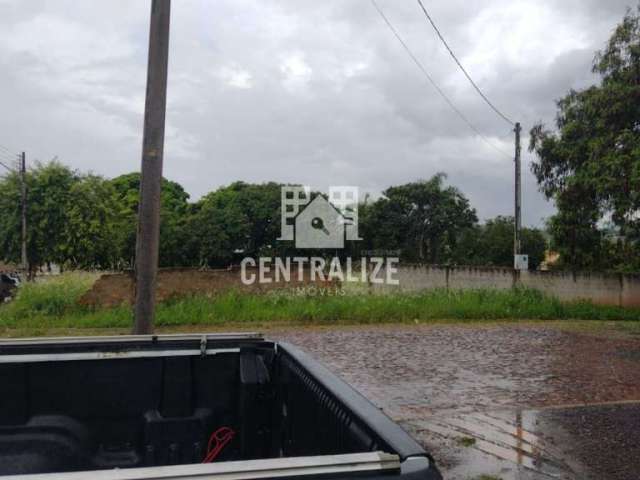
[{"x": 54, "y": 304}]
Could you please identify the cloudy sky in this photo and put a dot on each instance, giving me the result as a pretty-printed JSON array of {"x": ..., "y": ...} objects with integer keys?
[{"x": 312, "y": 92}]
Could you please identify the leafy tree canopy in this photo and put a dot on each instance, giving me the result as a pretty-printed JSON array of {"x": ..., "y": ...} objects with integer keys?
[
  {"x": 492, "y": 244},
  {"x": 590, "y": 165},
  {"x": 423, "y": 219}
]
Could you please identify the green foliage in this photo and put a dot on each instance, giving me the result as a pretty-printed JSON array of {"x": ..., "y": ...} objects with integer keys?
[
  {"x": 85, "y": 221},
  {"x": 174, "y": 212},
  {"x": 90, "y": 225},
  {"x": 422, "y": 219},
  {"x": 466, "y": 441},
  {"x": 53, "y": 297},
  {"x": 492, "y": 244},
  {"x": 49, "y": 188},
  {"x": 591, "y": 164},
  {"x": 72, "y": 219},
  {"x": 534, "y": 243},
  {"x": 236, "y": 221},
  {"x": 10, "y": 223}
]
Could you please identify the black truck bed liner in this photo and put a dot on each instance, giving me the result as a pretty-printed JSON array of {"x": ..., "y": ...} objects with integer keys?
[{"x": 136, "y": 407}]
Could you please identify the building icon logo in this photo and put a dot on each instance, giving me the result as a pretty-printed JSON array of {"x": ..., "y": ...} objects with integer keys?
[{"x": 319, "y": 222}]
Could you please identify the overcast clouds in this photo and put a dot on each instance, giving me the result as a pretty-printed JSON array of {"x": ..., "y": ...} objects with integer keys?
[{"x": 313, "y": 92}]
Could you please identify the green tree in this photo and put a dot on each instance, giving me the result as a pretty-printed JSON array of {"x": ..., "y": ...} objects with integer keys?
[
  {"x": 174, "y": 214},
  {"x": 534, "y": 244},
  {"x": 220, "y": 233},
  {"x": 235, "y": 221},
  {"x": 10, "y": 220},
  {"x": 49, "y": 187},
  {"x": 491, "y": 244},
  {"x": 90, "y": 226},
  {"x": 423, "y": 219},
  {"x": 590, "y": 165}
]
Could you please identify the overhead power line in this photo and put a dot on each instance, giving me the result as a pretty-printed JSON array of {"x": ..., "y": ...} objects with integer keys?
[
  {"x": 2, "y": 147},
  {"x": 8, "y": 158},
  {"x": 7, "y": 167},
  {"x": 8, "y": 152},
  {"x": 466, "y": 74},
  {"x": 433, "y": 82}
]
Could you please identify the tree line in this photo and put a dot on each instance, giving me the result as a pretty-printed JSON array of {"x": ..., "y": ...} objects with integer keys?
[{"x": 87, "y": 221}]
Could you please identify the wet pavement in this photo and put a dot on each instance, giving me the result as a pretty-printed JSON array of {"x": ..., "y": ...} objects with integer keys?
[{"x": 513, "y": 401}]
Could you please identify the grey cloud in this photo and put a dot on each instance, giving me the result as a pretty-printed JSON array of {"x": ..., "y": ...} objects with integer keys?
[{"x": 296, "y": 91}]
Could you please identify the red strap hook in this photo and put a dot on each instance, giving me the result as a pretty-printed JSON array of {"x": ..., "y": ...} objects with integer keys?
[{"x": 217, "y": 441}]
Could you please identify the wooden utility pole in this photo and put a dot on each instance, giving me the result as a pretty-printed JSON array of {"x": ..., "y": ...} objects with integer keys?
[
  {"x": 148, "y": 238},
  {"x": 518, "y": 195},
  {"x": 23, "y": 195}
]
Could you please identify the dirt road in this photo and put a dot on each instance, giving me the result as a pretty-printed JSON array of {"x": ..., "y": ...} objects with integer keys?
[{"x": 507, "y": 401}]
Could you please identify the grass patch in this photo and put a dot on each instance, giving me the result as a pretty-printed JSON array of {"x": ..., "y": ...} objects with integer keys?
[
  {"x": 53, "y": 304},
  {"x": 51, "y": 297},
  {"x": 466, "y": 441}
]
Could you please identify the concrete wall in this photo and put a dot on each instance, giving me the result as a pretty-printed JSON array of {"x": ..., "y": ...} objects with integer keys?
[
  {"x": 630, "y": 295},
  {"x": 418, "y": 277},
  {"x": 474, "y": 278},
  {"x": 605, "y": 289}
]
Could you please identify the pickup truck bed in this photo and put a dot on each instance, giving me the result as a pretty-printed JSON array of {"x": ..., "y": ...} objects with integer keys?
[{"x": 142, "y": 407}]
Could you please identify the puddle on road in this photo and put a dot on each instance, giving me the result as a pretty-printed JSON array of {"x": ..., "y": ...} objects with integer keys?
[{"x": 506, "y": 444}]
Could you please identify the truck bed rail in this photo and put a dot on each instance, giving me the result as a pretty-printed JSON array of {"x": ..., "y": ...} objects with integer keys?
[{"x": 245, "y": 470}]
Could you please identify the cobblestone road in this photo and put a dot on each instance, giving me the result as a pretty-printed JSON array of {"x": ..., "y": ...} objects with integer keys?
[{"x": 514, "y": 401}]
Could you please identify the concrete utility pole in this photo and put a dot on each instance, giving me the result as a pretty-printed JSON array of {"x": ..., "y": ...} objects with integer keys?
[
  {"x": 518, "y": 195},
  {"x": 23, "y": 194},
  {"x": 147, "y": 241}
]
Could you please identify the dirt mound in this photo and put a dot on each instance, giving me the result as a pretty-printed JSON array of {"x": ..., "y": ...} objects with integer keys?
[{"x": 116, "y": 289}]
